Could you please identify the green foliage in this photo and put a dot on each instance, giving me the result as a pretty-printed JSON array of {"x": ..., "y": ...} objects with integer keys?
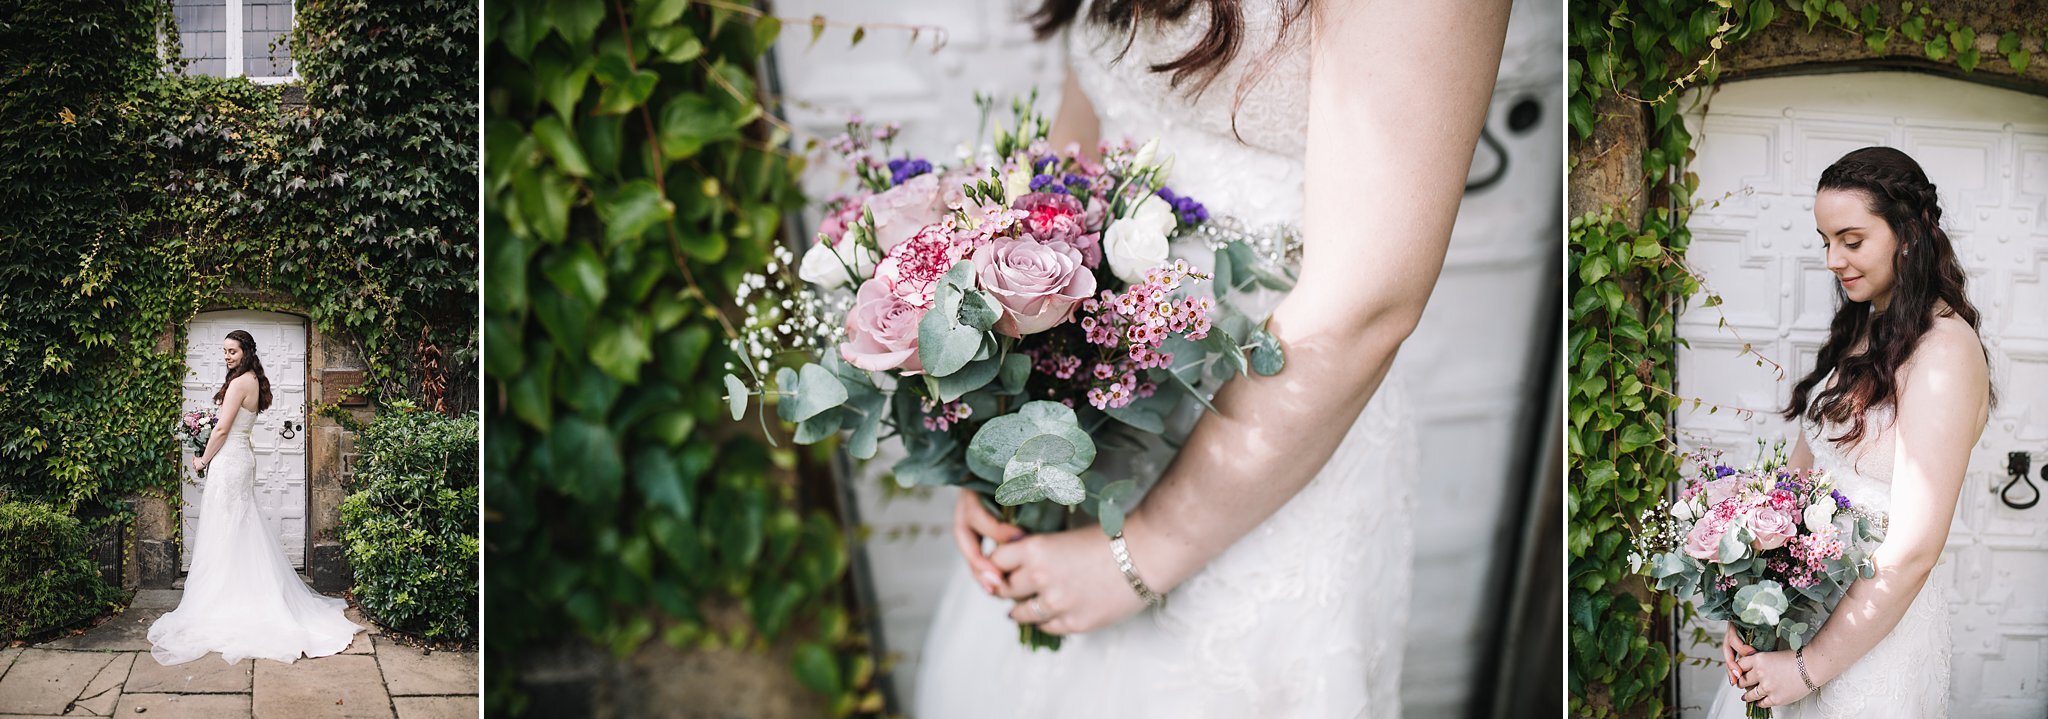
[
  {"x": 153, "y": 195},
  {"x": 1627, "y": 284},
  {"x": 410, "y": 529},
  {"x": 46, "y": 581},
  {"x": 628, "y": 185}
]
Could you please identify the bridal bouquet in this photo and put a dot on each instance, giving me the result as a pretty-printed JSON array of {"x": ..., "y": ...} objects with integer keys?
[
  {"x": 195, "y": 428},
  {"x": 999, "y": 316},
  {"x": 1767, "y": 547}
]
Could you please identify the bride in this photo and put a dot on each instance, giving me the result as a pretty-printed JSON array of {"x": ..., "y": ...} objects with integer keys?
[
  {"x": 1897, "y": 396},
  {"x": 242, "y": 598},
  {"x": 1279, "y": 533}
]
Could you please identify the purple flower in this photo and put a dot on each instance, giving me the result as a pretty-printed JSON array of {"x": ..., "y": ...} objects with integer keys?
[
  {"x": 1038, "y": 166},
  {"x": 1186, "y": 208},
  {"x": 1039, "y": 182},
  {"x": 1841, "y": 501},
  {"x": 1722, "y": 470},
  {"x": 901, "y": 169},
  {"x": 1075, "y": 182}
]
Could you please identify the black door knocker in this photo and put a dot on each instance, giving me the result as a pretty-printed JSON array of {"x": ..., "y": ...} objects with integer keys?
[
  {"x": 2017, "y": 465},
  {"x": 290, "y": 431}
]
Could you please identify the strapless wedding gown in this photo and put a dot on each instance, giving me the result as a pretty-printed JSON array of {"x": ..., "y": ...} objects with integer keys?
[
  {"x": 242, "y": 598},
  {"x": 1906, "y": 675},
  {"x": 1303, "y": 616}
]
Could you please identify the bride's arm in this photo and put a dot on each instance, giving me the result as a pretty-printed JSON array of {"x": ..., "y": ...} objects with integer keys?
[
  {"x": 1393, "y": 118},
  {"x": 230, "y": 405},
  {"x": 1076, "y": 122},
  {"x": 1942, "y": 406}
]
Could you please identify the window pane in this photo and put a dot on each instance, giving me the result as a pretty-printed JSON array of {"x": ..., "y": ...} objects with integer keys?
[
  {"x": 266, "y": 23},
  {"x": 202, "y": 30}
]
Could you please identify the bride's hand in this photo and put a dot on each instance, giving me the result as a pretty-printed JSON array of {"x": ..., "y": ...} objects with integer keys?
[
  {"x": 198, "y": 465},
  {"x": 1067, "y": 582},
  {"x": 971, "y": 522},
  {"x": 1733, "y": 649},
  {"x": 1771, "y": 679}
]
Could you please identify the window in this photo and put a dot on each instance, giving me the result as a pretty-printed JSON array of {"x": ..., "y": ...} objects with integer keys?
[{"x": 237, "y": 38}]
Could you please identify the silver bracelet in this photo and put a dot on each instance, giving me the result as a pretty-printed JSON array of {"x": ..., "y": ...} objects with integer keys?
[
  {"x": 1123, "y": 562},
  {"x": 1800, "y": 655}
]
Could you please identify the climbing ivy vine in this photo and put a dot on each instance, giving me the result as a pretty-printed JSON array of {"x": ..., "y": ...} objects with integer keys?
[{"x": 1629, "y": 63}]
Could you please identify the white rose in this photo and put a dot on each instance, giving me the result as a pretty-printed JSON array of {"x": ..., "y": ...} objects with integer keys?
[
  {"x": 1017, "y": 184},
  {"x": 1155, "y": 211},
  {"x": 1132, "y": 247},
  {"x": 1683, "y": 510},
  {"x": 826, "y": 266},
  {"x": 1820, "y": 516}
]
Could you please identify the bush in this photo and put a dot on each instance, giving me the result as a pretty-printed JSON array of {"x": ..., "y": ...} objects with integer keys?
[
  {"x": 46, "y": 581},
  {"x": 409, "y": 530}
]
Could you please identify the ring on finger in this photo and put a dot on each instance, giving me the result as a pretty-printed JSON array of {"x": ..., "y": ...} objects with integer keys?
[{"x": 1038, "y": 608}]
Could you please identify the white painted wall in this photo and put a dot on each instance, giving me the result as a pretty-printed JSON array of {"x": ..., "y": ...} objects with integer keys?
[
  {"x": 280, "y": 462},
  {"x": 1467, "y": 365},
  {"x": 1986, "y": 150}
]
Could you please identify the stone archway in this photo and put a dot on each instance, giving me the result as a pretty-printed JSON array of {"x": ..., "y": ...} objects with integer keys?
[{"x": 332, "y": 367}]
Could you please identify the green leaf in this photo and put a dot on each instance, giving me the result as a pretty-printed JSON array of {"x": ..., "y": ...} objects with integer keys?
[
  {"x": 766, "y": 29},
  {"x": 945, "y": 345},
  {"x": 675, "y": 43},
  {"x": 1111, "y": 515},
  {"x": 620, "y": 347},
  {"x": 626, "y": 94},
  {"x": 817, "y": 668},
  {"x": 544, "y": 198},
  {"x": 656, "y": 475},
  {"x": 577, "y": 20},
  {"x": 555, "y": 139},
  {"x": 817, "y": 390},
  {"x": 974, "y": 376},
  {"x": 1040, "y": 470},
  {"x": 1267, "y": 358},
  {"x": 689, "y": 121},
  {"x": 576, "y": 270},
  {"x": 631, "y": 209},
  {"x": 998, "y": 440},
  {"x": 736, "y": 397},
  {"x": 593, "y": 452},
  {"x": 1015, "y": 371}
]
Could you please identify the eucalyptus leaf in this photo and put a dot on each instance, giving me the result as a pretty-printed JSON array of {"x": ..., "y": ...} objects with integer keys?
[
  {"x": 817, "y": 390},
  {"x": 736, "y": 397},
  {"x": 1267, "y": 358},
  {"x": 974, "y": 376},
  {"x": 1039, "y": 471},
  {"x": 1016, "y": 369},
  {"x": 999, "y": 439}
]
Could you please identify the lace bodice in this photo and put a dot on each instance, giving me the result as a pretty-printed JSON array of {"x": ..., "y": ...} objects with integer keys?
[
  {"x": 1862, "y": 471},
  {"x": 1257, "y": 180},
  {"x": 244, "y": 420}
]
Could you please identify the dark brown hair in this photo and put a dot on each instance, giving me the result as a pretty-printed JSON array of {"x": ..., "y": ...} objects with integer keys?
[
  {"x": 1218, "y": 46},
  {"x": 1929, "y": 282},
  {"x": 250, "y": 363}
]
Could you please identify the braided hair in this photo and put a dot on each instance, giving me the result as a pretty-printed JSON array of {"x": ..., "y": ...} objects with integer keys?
[
  {"x": 250, "y": 363},
  {"x": 1929, "y": 284}
]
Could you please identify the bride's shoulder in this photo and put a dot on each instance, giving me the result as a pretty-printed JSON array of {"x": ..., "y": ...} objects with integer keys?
[
  {"x": 245, "y": 381},
  {"x": 1950, "y": 355}
]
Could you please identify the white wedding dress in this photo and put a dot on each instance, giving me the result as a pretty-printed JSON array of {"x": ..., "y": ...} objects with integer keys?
[
  {"x": 242, "y": 598},
  {"x": 1303, "y": 616},
  {"x": 1906, "y": 675}
]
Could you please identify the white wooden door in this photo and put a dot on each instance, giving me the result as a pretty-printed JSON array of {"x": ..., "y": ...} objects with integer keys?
[
  {"x": 280, "y": 459},
  {"x": 1986, "y": 150},
  {"x": 1466, "y": 365}
]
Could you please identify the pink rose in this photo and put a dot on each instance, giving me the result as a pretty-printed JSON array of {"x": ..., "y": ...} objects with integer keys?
[
  {"x": 1037, "y": 283},
  {"x": 1772, "y": 527},
  {"x": 1704, "y": 541},
  {"x": 1721, "y": 490},
  {"x": 901, "y": 211},
  {"x": 881, "y": 330}
]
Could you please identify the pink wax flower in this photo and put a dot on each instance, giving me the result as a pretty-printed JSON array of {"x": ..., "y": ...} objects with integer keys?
[
  {"x": 881, "y": 330},
  {"x": 1037, "y": 283}
]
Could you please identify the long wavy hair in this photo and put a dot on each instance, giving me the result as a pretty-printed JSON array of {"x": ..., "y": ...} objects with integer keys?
[
  {"x": 1929, "y": 284},
  {"x": 1217, "y": 47},
  {"x": 250, "y": 363}
]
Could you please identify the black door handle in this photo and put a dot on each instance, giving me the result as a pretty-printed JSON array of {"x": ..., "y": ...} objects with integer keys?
[
  {"x": 289, "y": 430},
  {"x": 2017, "y": 465}
]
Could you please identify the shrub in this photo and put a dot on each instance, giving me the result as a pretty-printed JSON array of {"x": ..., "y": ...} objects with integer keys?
[
  {"x": 46, "y": 581},
  {"x": 409, "y": 530}
]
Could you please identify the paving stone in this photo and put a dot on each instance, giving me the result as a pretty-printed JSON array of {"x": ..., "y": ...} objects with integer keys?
[
  {"x": 362, "y": 644},
  {"x": 7, "y": 656},
  {"x": 184, "y": 706},
  {"x": 205, "y": 675},
  {"x": 165, "y": 599},
  {"x": 126, "y": 632},
  {"x": 435, "y": 707},
  {"x": 343, "y": 685},
  {"x": 410, "y": 673},
  {"x": 44, "y": 681},
  {"x": 100, "y": 694}
]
